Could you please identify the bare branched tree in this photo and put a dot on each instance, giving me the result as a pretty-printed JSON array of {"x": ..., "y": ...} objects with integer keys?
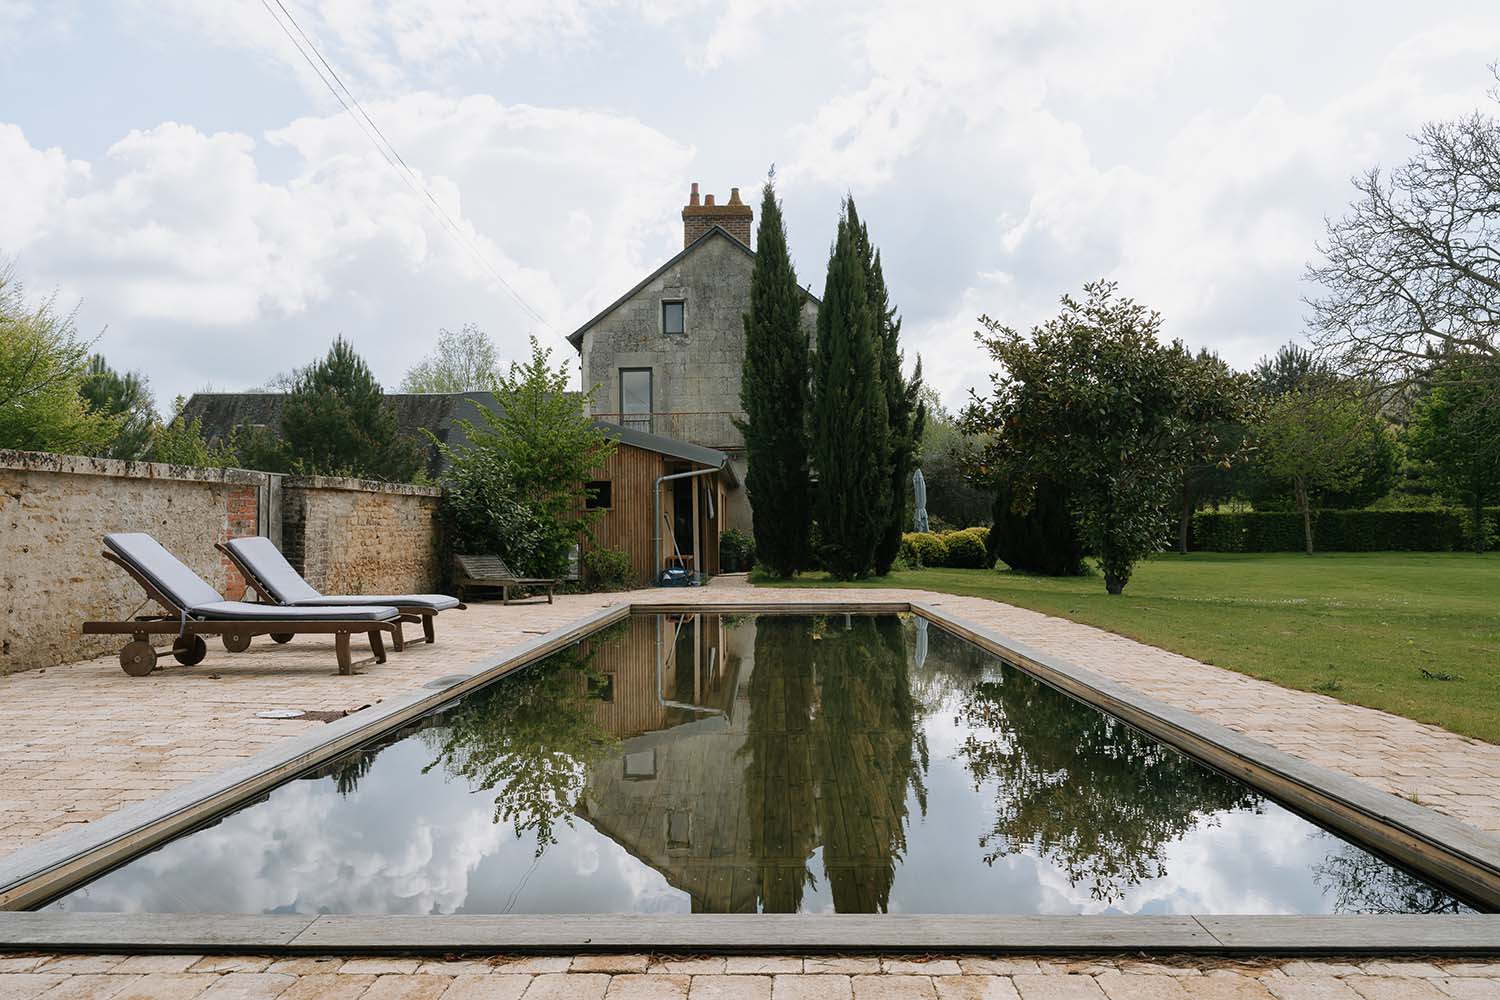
[{"x": 1413, "y": 269}]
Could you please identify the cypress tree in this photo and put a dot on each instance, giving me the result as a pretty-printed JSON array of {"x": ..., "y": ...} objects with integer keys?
[
  {"x": 774, "y": 395},
  {"x": 850, "y": 428},
  {"x": 905, "y": 413}
]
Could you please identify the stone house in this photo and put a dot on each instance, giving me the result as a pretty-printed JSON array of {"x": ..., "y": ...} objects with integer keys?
[{"x": 667, "y": 356}]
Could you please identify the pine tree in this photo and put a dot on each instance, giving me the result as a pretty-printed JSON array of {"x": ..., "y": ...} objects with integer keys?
[
  {"x": 850, "y": 428},
  {"x": 774, "y": 395},
  {"x": 905, "y": 413},
  {"x": 336, "y": 422}
]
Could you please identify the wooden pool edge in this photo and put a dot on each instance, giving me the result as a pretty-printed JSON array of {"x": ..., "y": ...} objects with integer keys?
[
  {"x": 1438, "y": 846},
  {"x": 795, "y": 934}
]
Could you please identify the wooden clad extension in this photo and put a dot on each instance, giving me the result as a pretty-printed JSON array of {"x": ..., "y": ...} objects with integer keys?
[{"x": 626, "y": 525}]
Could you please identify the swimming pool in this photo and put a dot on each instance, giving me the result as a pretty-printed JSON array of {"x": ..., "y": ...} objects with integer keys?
[{"x": 763, "y": 763}]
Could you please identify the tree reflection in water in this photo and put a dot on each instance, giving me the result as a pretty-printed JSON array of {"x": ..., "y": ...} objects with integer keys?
[
  {"x": 530, "y": 739},
  {"x": 1091, "y": 795},
  {"x": 832, "y": 749},
  {"x": 1362, "y": 883}
]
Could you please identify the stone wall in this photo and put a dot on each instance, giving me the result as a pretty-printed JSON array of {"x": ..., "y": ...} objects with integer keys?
[
  {"x": 55, "y": 509},
  {"x": 348, "y": 536}
]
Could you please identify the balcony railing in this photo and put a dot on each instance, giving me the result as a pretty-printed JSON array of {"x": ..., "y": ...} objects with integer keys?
[{"x": 711, "y": 428}]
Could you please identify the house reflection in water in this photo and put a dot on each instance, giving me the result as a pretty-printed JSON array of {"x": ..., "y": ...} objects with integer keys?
[{"x": 745, "y": 752}]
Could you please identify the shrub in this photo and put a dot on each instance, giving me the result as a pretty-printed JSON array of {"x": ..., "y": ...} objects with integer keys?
[
  {"x": 605, "y": 569},
  {"x": 1440, "y": 530},
  {"x": 1044, "y": 539},
  {"x": 484, "y": 512},
  {"x": 965, "y": 550},
  {"x": 924, "y": 548},
  {"x": 736, "y": 551}
]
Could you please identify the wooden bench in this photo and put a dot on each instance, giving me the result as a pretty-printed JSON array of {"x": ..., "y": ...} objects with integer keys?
[{"x": 491, "y": 573}]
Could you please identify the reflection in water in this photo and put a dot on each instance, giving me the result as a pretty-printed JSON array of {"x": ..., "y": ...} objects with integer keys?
[
  {"x": 1361, "y": 883},
  {"x": 1097, "y": 798},
  {"x": 530, "y": 740},
  {"x": 762, "y": 764}
]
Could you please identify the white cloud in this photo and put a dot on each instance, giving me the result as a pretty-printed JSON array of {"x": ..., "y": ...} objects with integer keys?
[
  {"x": 175, "y": 235},
  {"x": 1085, "y": 157}
]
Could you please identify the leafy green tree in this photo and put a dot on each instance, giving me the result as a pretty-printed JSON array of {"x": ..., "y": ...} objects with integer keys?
[
  {"x": 336, "y": 422},
  {"x": 850, "y": 425},
  {"x": 537, "y": 448},
  {"x": 43, "y": 365},
  {"x": 774, "y": 395},
  {"x": 465, "y": 361},
  {"x": 1372, "y": 465},
  {"x": 1455, "y": 427},
  {"x": 1316, "y": 440},
  {"x": 181, "y": 442},
  {"x": 1091, "y": 400},
  {"x": 1210, "y": 448},
  {"x": 904, "y": 409},
  {"x": 126, "y": 399}
]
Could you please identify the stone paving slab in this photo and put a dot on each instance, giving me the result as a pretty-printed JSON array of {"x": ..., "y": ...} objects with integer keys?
[{"x": 183, "y": 977}]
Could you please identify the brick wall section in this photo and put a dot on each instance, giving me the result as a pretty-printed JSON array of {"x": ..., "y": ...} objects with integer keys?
[
  {"x": 352, "y": 536},
  {"x": 348, "y": 536},
  {"x": 54, "y": 511}
]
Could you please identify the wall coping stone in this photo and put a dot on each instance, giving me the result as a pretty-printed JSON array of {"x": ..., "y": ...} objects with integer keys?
[
  {"x": 359, "y": 485},
  {"x": 83, "y": 465}
]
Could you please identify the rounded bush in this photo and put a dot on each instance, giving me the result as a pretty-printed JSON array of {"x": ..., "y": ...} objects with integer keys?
[
  {"x": 965, "y": 550},
  {"x": 923, "y": 548}
]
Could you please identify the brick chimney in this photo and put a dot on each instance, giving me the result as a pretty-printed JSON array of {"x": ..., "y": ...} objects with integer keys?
[{"x": 698, "y": 219}]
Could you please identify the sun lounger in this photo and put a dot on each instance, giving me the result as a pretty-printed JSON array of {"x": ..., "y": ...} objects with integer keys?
[
  {"x": 194, "y": 609},
  {"x": 278, "y": 582},
  {"x": 492, "y": 573}
]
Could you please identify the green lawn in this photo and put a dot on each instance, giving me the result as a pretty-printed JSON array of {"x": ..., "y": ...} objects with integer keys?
[{"x": 1361, "y": 627}]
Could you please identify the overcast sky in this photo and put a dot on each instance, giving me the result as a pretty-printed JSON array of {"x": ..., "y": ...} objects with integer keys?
[{"x": 177, "y": 167}]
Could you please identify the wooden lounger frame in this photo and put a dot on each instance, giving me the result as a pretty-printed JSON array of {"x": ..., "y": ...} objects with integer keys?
[
  {"x": 416, "y": 614},
  {"x": 500, "y": 581},
  {"x": 144, "y": 626}
]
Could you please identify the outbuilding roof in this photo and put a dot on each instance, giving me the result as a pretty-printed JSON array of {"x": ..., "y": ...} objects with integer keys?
[{"x": 671, "y": 447}]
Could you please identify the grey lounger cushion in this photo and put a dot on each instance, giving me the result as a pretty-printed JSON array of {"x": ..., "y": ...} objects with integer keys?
[
  {"x": 287, "y": 585},
  {"x": 427, "y": 602},
  {"x": 188, "y": 590},
  {"x": 243, "y": 611}
]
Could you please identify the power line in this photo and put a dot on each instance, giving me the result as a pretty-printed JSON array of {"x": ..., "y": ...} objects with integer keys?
[{"x": 387, "y": 149}]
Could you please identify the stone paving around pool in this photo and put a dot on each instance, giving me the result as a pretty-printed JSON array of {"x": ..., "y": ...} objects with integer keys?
[
  {"x": 81, "y": 740},
  {"x": 644, "y": 977}
]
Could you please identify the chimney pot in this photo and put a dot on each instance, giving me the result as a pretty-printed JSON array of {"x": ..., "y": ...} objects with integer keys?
[{"x": 702, "y": 213}]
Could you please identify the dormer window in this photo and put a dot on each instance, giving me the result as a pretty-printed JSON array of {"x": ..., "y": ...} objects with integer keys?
[{"x": 672, "y": 317}]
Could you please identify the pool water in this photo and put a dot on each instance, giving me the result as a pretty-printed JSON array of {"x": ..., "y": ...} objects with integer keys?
[{"x": 772, "y": 763}]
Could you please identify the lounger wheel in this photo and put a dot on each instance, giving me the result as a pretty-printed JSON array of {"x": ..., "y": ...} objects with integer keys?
[
  {"x": 138, "y": 658},
  {"x": 189, "y": 649},
  {"x": 236, "y": 642},
  {"x": 282, "y": 636}
]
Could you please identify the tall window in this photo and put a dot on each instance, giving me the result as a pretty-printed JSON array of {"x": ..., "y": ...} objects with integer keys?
[
  {"x": 672, "y": 317},
  {"x": 635, "y": 398}
]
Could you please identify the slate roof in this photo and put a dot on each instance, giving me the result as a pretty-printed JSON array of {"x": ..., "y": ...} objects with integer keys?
[{"x": 438, "y": 412}]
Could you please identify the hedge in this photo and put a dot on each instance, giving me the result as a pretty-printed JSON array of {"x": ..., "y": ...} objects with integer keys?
[
  {"x": 952, "y": 549},
  {"x": 1440, "y": 530}
]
